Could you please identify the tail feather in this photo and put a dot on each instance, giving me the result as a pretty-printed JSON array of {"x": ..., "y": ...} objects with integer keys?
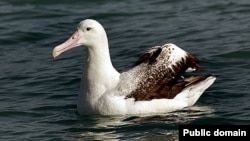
[{"x": 195, "y": 87}]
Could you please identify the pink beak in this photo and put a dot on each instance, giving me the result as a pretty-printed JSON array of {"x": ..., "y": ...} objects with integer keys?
[{"x": 67, "y": 45}]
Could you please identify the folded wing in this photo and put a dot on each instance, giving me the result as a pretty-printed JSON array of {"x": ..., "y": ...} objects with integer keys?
[{"x": 158, "y": 74}]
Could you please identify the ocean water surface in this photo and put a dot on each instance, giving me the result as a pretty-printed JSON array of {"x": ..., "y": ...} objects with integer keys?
[{"x": 38, "y": 94}]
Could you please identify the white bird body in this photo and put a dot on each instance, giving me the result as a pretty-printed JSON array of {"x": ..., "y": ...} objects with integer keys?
[{"x": 151, "y": 86}]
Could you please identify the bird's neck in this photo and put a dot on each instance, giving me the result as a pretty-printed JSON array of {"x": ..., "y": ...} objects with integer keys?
[{"x": 99, "y": 76}]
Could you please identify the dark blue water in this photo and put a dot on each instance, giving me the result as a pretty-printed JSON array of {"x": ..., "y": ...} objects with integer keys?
[{"x": 38, "y": 94}]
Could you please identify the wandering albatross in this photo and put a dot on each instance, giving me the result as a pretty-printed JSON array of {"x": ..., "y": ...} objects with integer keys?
[{"x": 153, "y": 85}]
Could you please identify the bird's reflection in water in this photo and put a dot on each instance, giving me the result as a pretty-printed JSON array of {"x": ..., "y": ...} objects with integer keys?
[{"x": 142, "y": 127}]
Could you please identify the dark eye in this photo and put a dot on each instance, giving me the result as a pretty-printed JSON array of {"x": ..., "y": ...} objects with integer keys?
[{"x": 88, "y": 28}]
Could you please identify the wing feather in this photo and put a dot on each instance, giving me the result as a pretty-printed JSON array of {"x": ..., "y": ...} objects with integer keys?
[{"x": 156, "y": 74}]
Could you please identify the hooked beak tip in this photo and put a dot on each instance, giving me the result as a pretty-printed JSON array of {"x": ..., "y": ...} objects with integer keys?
[{"x": 54, "y": 53}]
